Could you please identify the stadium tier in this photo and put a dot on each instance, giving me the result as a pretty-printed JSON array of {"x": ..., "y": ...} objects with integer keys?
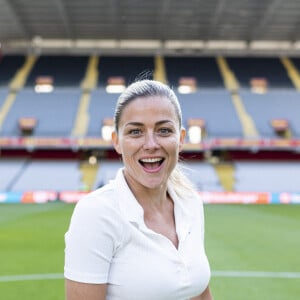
[
  {"x": 280, "y": 104},
  {"x": 128, "y": 67},
  {"x": 236, "y": 101},
  {"x": 66, "y": 71},
  {"x": 203, "y": 69},
  {"x": 269, "y": 68},
  {"x": 214, "y": 101},
  {"x": 267, "y": 176},
  {"x": 55, "y": 112},
  {"x": 9, "y": 65},
  {"x": 216, "y": 108}
]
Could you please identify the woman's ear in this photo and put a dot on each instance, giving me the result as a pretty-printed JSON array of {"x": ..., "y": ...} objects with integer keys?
[
  {"x": 182, "y": 138},
  {"x": 115, "y": 140}
]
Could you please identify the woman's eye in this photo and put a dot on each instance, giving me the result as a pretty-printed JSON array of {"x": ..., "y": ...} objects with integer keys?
[
  {"x": 165, "y": 131},
  {"x": 135, "y": 132}
]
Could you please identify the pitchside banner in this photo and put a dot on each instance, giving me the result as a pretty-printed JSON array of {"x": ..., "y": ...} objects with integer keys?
[
  {"x": 233, "y": 197},
  {"x": 249, "y": 198},
  {"x": 207, "y": 197}
]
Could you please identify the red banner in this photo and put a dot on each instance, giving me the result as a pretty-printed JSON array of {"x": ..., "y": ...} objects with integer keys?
[{"x": 235, "y": 197}]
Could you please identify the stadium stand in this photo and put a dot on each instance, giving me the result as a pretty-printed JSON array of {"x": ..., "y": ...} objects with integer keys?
[
  {"x": 9, "y": 64},
  {"x": 128, "y": 67},
  {"x": 270, "y": 68},
  {"x": 49, "y": 175},
  {"x": 202, "y": 175},
  {"x": 55, "y": 112},
  {"x": 292, "y": 71},
  {"x": 203, "y": 69},
  {"x": 3, "y": 94},
  {"x": 10, "y": 168},
  {"x": 279, "y": 104},
  {"x": 79, "y": 104},
  {"x": 107, "y": 170},
  {"x": 66, "y": 71},
  {"x": 296, "y": 67},
  {"x": 272, "y": 176},
  {"x": 101, "y": 107},
  {"x": 216, "y": 108}
]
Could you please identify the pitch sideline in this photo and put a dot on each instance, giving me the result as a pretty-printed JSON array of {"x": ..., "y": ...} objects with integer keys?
[{"x": 244, "y": 274}]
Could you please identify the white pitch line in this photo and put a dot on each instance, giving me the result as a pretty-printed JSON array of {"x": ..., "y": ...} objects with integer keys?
[
  {"x": 256, "y": 274},
  {"x": 245, "y": 274},
  {"x": 24, "y": 277}
]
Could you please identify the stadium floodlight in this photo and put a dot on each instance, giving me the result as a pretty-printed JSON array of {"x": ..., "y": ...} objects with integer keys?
[
  {"x": 107, "y": 129},
  {"x": 195, "y": 134},
  {"x": 92, "y": 160},
  {"x": 106, "y": 132},
  {"x": 259, "y": 85},
  {"x": 43, "y": 88},
  {"x": 185, "y": 89},
  {"x": 187, "y": 85},
  {"x": 196, "y": 130},
  {"x": 115, "y": 89},
  {"x": 115, "y": 85},
  {"x": 44, "y": 84}
]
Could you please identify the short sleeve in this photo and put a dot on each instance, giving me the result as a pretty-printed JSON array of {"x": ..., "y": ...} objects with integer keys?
[
  {"x": 90, "y": 242},
  {"x": 201, "y": 216},
  {"x": 202, "y": 221}
]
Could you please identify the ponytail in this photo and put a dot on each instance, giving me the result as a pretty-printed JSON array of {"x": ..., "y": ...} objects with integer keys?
[{"x": 180, "y": 183}]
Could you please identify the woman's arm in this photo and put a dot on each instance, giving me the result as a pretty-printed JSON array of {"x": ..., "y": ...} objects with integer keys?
[
  {"x": 206, "y": 295},
  {"x": 84, "y": 291}
]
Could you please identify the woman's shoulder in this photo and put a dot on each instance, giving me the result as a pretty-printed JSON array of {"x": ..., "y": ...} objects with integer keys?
[{"x": 100, "y": 202}]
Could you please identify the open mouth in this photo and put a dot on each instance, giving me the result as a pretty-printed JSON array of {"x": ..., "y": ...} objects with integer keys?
[{"x": 151, "y": 164}]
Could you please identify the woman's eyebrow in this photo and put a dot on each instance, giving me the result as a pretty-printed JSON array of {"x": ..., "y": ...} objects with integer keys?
[
  {"x": 163, "y": 122},
  {"x": 134, "y": 124},
  {"x": 142, "y": 124}
]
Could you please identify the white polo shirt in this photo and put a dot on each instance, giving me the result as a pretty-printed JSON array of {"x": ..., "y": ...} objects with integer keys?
[{"x": 108, "y": 242}]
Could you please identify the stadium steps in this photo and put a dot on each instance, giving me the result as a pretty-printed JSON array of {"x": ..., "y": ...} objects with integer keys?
[
  {"x": 225, "y": 172},
  {"x": 232, "y": 84},
  {"x": 18, "y": 175},
  {"x": 20, "y": 78},
  {"x": 9, "y": 101},
  {"x": 160, "y": 73},
  {"x": 15, "y": 85},
  {"x": 89, "y": 173},
  {"x": 292, "y": 72},
  {"x": 248, "y": 125},
  {"x": 87, "y": 85},
  {"x": 91, "y": 76},
  {"x": 82, "y": 117}
]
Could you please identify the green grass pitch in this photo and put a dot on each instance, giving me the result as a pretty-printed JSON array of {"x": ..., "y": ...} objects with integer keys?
[{"x": 239, "y": 238}]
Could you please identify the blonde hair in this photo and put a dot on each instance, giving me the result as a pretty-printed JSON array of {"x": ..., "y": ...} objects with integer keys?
[{"x": 147, "y": 88}]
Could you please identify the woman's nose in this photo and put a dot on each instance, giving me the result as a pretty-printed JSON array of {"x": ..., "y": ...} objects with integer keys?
[{"x": 150, "y": 142}]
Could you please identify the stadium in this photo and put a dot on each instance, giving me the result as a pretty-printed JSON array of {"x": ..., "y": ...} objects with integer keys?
[{"x": 235, "y": 67}]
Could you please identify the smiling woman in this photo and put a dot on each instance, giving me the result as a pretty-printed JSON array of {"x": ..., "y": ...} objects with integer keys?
[{"x": 149, "y": 220}]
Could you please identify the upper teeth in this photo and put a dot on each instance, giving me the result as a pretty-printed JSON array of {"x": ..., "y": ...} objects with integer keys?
[{"x": 151, "y": 160}]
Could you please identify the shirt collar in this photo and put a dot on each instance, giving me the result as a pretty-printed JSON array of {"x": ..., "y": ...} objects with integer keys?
[
  {"x": 133, "y": 211},
  {"x": 183, "y": 212},
  {"x": 128, "y": 204}
]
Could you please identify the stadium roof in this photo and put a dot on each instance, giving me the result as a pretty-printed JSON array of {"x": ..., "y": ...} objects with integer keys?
[{"x": 170, "y": 26}]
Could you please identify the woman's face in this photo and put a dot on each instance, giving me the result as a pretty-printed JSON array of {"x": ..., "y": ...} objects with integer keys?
[{"x": 149, "y": 139}]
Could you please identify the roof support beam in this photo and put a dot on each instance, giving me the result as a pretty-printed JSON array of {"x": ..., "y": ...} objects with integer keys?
[
  {"x": 21, "y": 25},
  {"x": 267, "y": 17},
  {"x": 65, "y": 18}
]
